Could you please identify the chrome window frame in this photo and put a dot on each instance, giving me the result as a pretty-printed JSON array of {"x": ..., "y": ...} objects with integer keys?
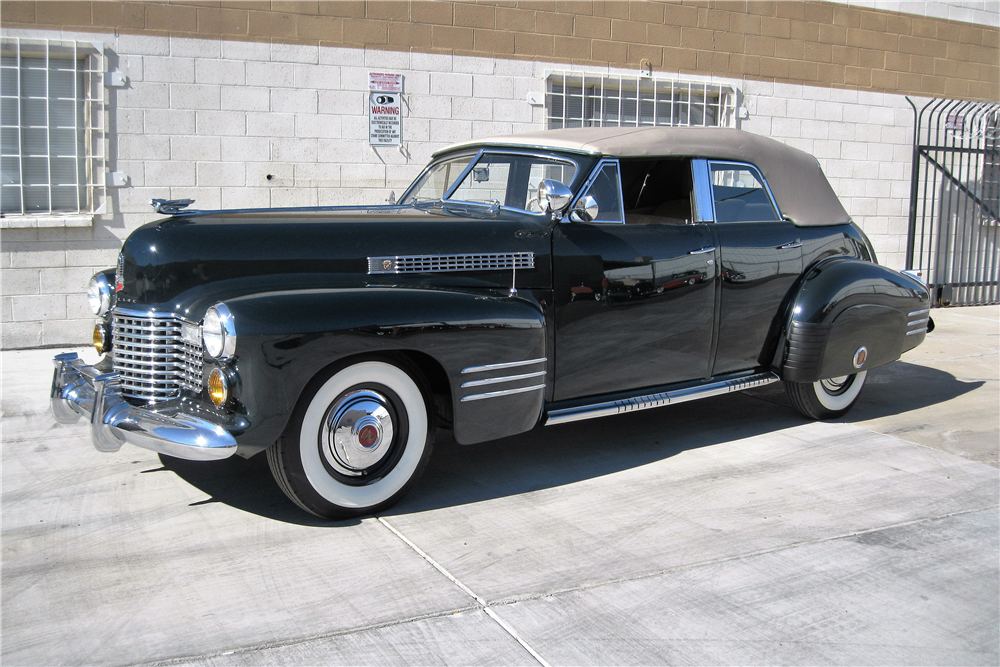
[
  {"x": 760, "y": 177},
  {"x": 704, "y": 202},
  {"x": 585, "y": 190}
]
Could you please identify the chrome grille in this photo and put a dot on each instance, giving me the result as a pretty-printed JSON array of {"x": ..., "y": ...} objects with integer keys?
[
  {"x": 445, "y": 263},
  {"x": 151, "y": 356}
]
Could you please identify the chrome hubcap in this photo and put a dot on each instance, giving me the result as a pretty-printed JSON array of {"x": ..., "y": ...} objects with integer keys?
[
  {"x": 357, "y": 432},
  {"x": 837, "y": 385}
]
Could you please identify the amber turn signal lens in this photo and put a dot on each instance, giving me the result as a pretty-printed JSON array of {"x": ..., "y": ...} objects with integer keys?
[
  {"x": 218, "y": 390},
  {"x": 99, "y": 338}
]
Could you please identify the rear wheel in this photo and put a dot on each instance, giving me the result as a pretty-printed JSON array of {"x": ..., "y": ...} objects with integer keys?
[
  {"x": 826, "y": 399},
  {"x": 357, "y": 444}
]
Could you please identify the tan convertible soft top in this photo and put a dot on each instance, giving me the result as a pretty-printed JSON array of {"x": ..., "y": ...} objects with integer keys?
[{"x": 795, "y": 177}]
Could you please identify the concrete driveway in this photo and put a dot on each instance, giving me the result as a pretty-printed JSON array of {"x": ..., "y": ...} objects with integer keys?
[{"x": 723, "y": 531}]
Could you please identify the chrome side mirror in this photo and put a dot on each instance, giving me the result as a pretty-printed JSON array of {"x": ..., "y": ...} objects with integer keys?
[
  {"x": 586, "y": 210},
  {"x": 553, "y": 196}
]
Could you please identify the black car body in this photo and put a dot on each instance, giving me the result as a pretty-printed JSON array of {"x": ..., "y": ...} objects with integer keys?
[{"x": 519, "y": 281}]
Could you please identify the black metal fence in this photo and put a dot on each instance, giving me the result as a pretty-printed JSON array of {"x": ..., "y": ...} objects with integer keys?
[{"x": 955, "y": 201}]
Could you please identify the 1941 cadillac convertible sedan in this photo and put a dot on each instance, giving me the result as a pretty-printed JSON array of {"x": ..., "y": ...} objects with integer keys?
[{"x": 519, "y": 281}]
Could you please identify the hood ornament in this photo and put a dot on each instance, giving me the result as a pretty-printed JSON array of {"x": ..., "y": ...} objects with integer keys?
[{"x": 170, "y": 206}]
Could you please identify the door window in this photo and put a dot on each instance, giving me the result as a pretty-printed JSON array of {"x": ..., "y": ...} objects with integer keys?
[{"x": 740, "y": 194}]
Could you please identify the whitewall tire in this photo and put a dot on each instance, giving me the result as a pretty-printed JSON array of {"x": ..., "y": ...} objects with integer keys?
[
  {"x": 357, "y": 444},
  {"x": 826, "y": 399}
]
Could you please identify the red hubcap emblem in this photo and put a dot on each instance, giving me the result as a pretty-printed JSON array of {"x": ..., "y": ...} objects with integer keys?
[{"x": 368, "y": 436}]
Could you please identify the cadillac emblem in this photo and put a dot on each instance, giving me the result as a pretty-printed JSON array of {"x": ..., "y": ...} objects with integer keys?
[
  {"x": 368, "y": 436},
  {"x": 860, "y": 357},
  {"x": 387, "y": 265}
]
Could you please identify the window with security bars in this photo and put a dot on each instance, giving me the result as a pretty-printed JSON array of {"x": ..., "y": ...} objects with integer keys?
[
  {"x": 576, "y": 99},
  {"x": 52, "y": 127}
]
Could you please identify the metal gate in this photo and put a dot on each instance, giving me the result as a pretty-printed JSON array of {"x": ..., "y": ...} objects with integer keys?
[{"x": 955, "y": 201}]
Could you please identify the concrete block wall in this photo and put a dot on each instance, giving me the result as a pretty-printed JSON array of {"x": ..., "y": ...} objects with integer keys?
[{"x": 236, "y": 124}]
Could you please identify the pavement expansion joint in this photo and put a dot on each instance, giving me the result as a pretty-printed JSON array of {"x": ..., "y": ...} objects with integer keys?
[{"x": 479, "y": 600}]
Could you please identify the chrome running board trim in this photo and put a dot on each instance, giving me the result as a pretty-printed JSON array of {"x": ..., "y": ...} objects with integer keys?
[{"x": 657, "y": 400}]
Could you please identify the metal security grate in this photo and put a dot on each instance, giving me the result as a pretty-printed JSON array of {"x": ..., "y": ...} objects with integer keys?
[
  {"x": 579, "y": 99},
  {"x": 153, "y": 357},
  {"x": 444, "y": 263},
  {"x": 53, "y": 124},
  {"x": 954, "y": 221}
]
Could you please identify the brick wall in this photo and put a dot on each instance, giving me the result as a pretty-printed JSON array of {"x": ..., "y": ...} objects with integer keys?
[{"x": 809, "y": 43}]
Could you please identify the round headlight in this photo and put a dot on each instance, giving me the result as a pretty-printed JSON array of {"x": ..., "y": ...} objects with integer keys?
[
  {"x": 99, "y": 295},
  {"x": 218, "y": 332}
]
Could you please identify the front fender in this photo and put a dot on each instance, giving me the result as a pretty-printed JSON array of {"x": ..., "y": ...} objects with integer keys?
[
  {"x": 845, "y": 304},
  {"x": 285, "y": 339}
]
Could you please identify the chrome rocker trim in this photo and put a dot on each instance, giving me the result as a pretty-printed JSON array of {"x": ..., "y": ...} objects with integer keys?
[
  {"x": 82, "y": 390},
  {"x": 648, "y": 401}
]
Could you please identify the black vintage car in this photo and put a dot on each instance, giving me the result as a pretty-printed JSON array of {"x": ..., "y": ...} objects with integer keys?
[{"x": 520, "y": 281}]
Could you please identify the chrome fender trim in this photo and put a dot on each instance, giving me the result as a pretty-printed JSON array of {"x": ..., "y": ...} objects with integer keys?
[{"x": 657, "y": 400}]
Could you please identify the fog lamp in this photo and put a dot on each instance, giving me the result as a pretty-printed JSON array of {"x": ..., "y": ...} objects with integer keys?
[
  {"x": 99, "y": 338},
  {"x": 218, "y": 388}
]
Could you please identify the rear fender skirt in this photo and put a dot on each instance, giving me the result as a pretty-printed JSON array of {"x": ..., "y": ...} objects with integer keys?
[
  {"x": 850, "y": 315},
  {"x": 490, "y": 346}
]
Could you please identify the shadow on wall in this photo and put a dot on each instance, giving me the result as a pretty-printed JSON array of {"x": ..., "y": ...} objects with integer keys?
[{"x": 549, "y": 457}]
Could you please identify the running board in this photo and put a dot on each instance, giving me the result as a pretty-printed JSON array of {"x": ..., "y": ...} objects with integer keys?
[{"x": 648, "y": 401}]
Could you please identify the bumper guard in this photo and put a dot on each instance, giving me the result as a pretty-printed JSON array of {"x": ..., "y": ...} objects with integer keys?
[{"x": 80, "y": 390}]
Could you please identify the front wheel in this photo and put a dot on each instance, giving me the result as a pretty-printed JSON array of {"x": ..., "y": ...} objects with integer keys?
[
  {"x": 826, "y": 399},
  {"x": 357, "y": 444}
]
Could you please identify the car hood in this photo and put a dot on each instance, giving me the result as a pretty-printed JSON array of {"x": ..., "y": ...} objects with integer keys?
[{"x": 186, "y": 263}]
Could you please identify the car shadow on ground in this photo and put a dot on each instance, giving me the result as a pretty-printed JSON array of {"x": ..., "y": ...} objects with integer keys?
[{"x": 559, "y": 455}]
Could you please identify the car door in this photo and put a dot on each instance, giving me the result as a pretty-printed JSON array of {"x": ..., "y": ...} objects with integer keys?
[
  {"x": 634, "y": 293},
  {"x": 760, "y": 256}
]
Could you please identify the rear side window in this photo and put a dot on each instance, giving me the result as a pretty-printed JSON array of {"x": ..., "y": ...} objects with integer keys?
[{"x": 740, "y": 194}]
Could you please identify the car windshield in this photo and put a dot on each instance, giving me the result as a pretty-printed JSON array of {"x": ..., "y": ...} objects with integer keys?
[
  {"x": 510, "y": 180},
  {"x": 436, "y": 180}
]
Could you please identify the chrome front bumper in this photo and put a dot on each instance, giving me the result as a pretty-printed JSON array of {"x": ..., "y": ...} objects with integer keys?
[{"x": 79, "y": 390}]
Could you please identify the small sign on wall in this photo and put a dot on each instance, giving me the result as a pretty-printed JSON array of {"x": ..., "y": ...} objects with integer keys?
[
  {"x": 385, "y": 124},
  {"x": 385, "y": 82},
  {"x": 384, "y": 119}
]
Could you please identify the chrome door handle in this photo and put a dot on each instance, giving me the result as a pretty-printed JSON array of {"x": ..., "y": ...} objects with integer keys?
[
  {"x": 702, "y": 251},
  {"x": 793, "y": 244}
]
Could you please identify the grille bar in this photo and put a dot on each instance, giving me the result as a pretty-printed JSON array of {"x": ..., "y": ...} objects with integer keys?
[{"x": 151, "y": 356}]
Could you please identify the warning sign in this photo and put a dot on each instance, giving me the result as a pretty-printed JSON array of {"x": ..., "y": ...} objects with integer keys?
[
  {"x": 384, "y": 120},
  {"x": 385, "y": 82}
]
